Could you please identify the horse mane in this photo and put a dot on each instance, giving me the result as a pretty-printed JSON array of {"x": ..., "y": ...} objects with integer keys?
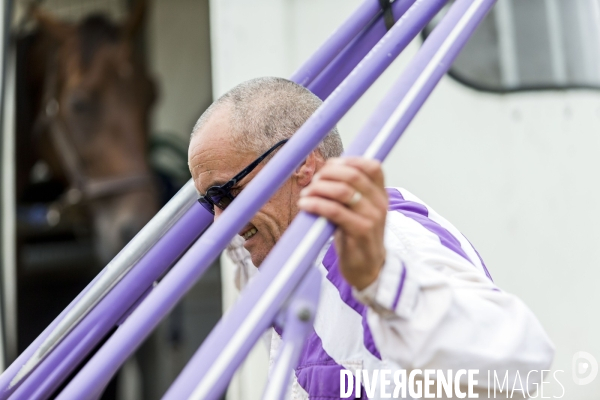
[{"x": 95, "y": 31}]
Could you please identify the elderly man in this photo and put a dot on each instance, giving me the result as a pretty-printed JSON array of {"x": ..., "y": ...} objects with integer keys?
[{"x": 401, "y": 287}]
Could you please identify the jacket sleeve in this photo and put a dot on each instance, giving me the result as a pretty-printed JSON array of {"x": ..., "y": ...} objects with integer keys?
[{"x": 432, "y": 308}]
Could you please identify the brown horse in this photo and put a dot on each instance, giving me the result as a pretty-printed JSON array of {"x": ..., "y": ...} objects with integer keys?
[
  {"x": 83, "y": 105},
  {"x": 90, "y": 98}
]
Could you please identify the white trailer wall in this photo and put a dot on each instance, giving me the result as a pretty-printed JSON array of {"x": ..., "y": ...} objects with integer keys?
[
  {"x": 517, "y": 173},
  {"x": 179, "y": 50}
]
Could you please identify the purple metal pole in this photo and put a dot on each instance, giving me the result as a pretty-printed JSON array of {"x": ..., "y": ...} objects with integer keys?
[
  {"x": 336, "y": 42},
  {"x": 298, "y": 324},
  {"x": 181, "y": 278},
  {"x": 68, "y": 353},
  {"x": 209, "y": 370},
  {"x": 61, "y": 326},
  {"x": 344, "y": 63}
]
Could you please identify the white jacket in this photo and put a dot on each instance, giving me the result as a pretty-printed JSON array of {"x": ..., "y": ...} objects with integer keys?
[{"x": 433, "y": 306}]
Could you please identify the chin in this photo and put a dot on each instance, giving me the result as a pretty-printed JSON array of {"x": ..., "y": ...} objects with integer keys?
[
  {"x": 256, "y": 254},
  {"x": 257, "y": 260}
]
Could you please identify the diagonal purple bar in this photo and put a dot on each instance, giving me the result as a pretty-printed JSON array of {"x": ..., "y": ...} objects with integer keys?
[
  {"x": 133, "y": 331},
  {"x": 13, "y": 369},
  {"x": 344, "y": 63},
  {"x": 299, "y": 318},
  {"x": 337, "y": 42},
  {"x": 209, "y": 370},
  {"x": 420, "y": 77}
]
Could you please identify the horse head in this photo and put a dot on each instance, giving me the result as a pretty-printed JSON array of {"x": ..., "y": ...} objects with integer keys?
[{"x": 97, "y": 97}]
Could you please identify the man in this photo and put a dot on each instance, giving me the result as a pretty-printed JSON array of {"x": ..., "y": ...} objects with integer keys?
[{"x": 401, "y": 289}]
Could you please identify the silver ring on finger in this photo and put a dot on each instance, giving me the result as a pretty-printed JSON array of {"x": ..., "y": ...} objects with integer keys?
[{"x": 355, "y": 198}]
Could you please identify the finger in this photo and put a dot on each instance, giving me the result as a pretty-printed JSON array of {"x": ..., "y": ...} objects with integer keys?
[
  {"x": 333, "y": 190},
  {"x": 351, "y": 174},
  {"x": 371, "y": 168},
  {"x": 343, "y": 193},
  {"x": 355, "y": 178},
  {"x": 352, "y": 223}
]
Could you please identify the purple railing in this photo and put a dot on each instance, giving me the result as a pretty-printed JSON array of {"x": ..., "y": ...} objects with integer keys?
[
  {"x": 343, "y": 64},
  {"x": 190, "y": 267}
]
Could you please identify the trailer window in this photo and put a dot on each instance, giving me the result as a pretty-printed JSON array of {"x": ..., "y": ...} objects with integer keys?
[{"x": 533, "y": 44}]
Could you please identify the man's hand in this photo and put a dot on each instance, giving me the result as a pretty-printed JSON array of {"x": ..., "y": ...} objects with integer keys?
[{"x": 350, "y": 193}]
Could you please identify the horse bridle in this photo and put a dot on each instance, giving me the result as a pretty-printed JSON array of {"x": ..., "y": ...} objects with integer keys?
[{"x": 82, "y": 189}]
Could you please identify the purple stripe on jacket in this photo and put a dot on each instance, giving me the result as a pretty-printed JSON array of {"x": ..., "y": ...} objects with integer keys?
[
  {"x": 317, "y": 372},
  {"x": 331, "y": 263},
  {"x": 420, "y": 214}
]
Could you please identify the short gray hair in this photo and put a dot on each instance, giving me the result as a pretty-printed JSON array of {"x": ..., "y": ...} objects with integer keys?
[{"x": 264, "y": 111}]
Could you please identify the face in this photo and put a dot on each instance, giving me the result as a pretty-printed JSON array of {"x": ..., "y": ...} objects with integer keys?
[
  {"x": 214, "y": 160},
  {"x": 105, "y": 109}
]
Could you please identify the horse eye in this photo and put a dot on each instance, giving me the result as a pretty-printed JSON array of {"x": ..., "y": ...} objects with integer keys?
[{"x": 82, "y": 104}]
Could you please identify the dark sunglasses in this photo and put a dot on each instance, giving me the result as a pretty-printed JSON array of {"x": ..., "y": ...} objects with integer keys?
[{"x": 221, "y": 196}]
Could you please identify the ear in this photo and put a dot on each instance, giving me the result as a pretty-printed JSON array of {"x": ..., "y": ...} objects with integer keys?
[
  {"x": 135, "y": 20},
  {"x": 59, "y": 30},
  {"x": 307, "y": 170}
]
